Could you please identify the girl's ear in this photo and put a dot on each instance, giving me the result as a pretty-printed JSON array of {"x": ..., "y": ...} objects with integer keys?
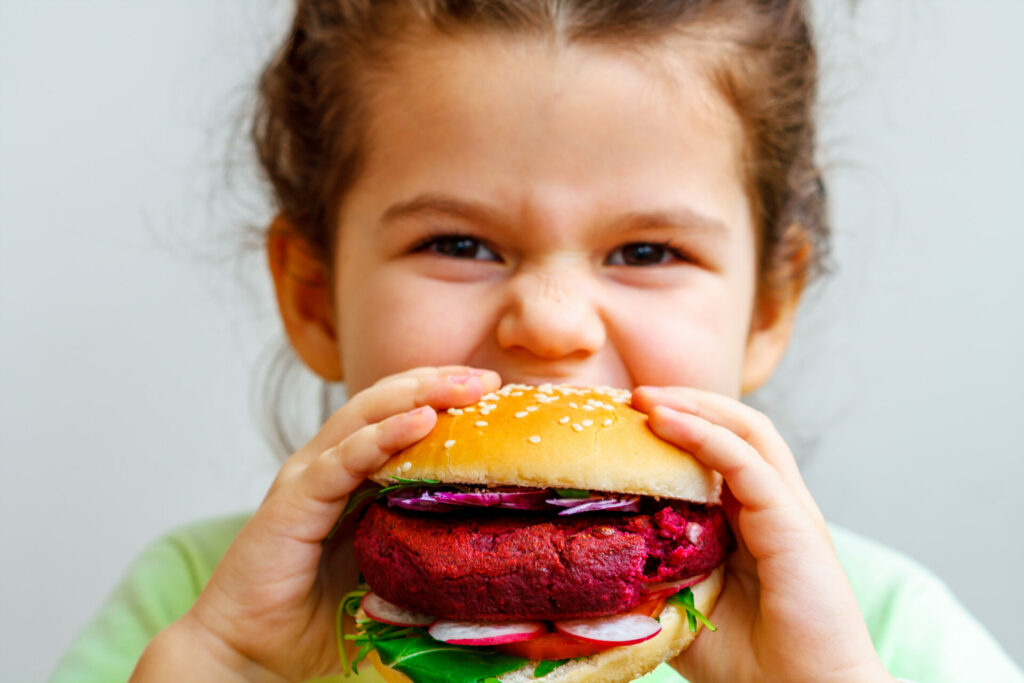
[
  {"x": 772, "y": 324},
  {"x": 303, "y": 285}
]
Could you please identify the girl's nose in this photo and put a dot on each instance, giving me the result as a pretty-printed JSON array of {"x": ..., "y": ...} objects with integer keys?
[{"x": 552, "y": 316}]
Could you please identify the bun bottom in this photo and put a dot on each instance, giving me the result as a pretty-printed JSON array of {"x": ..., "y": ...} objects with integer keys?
[{"x": 619, "y": 664}]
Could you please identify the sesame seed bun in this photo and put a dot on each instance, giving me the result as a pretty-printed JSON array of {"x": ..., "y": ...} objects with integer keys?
[{"x": 554, "y": 436}]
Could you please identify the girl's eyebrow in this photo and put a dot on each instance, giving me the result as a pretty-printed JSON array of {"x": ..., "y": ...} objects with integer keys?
[
  {"x": 434, "y": 204},
  {"x": 431, "y": 203}
]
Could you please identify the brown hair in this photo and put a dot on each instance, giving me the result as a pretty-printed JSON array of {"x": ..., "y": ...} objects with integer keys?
[{"x": 310, "y": 123}]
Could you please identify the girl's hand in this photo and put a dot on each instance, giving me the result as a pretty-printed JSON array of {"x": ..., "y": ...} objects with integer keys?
[
  {"x": 268, "y": 611},
  {"x": 787, "y": 611}
]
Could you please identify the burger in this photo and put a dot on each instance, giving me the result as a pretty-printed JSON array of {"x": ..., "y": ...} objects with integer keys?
[{"x": 544, "y": 533}]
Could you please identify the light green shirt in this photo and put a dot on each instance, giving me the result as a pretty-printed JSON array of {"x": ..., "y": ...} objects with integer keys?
[{"x": 919, "y": 629}]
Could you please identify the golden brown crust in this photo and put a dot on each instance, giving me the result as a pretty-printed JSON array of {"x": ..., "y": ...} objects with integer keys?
[{"x": 554, "y": 436}]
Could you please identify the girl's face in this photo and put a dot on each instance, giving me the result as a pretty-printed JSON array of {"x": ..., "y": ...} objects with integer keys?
[{"x": 555, "y": 213}]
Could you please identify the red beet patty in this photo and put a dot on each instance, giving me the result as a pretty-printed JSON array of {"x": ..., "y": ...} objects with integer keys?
[{"x": 493, "y": 565}]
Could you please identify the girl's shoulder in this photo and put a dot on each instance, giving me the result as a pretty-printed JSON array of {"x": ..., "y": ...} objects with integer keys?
[
  {"x": 159, "y": 587},
  {"x": 919, "y": 628},
  {"x": 201, "y": 544}
]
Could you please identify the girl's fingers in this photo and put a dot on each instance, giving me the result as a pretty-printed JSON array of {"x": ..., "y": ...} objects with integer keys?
[
  {"x": 439, "y": 388},
  {"x": 358, "y": 438},
  {"x": 745, "y": 422},
  {"x": 337, "y": 471},
  {"x": 309, "y": 500},
  {"x": 754, "y": 483}
]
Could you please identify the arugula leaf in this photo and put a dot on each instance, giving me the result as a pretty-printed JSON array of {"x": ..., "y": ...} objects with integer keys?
[
  {"x": 422, "y": 658},
  {"x": 404, "y": 483},
  {"x": 351, "y": 600},
  {"x": 573, "y": 493},
  {"x": 684, "y": 599},
  {"x": 426, "y": 660},
  {"x": 546, "y": 667}
]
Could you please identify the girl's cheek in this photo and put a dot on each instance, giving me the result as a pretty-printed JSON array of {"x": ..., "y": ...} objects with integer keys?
[
  {"x": 397, "y": 323},
  {"x": 688, "y": 340}
]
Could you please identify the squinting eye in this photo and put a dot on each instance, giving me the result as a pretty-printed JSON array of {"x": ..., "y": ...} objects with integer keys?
[
  {"x": 457, "y": 246},
  {"x": 642, "y": 254}
]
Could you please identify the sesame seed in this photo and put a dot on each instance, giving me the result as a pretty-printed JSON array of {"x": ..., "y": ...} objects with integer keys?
[
  {"x": 531, "y": 408},
  {"x": 489, "y": 397},
  {"x": 480, "y": 423},
  {"x": 534, "y": 439},
  {"x": 608, "y": 422},
  {"x": 588, "y": 407},
  {"x": 564, "y": 420},
  {"x": 471, "y": 409},
  {"x": 516, "y": 393},
  {"x": 578, "y": 427},
  {"x": 587, "y": 423},
  {"x": 455, "y": 411},
  {"x": 573, "y": 404},
  {"x": 449, "y": 443},
  {"x": 522, "y": 413},
  {"x": 406, "y": 466}
]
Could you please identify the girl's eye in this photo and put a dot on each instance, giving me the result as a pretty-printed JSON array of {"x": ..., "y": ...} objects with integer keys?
[
  {"x": 643, "y": 254},
  {"x": 457, "y": 246}
]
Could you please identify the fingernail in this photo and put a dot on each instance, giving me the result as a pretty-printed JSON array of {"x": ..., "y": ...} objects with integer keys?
[
  {"x": 459, "y": 379},
  {"x": 419, "y": 412}
]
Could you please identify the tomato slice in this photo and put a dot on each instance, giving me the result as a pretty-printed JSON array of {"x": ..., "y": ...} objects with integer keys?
[{"x": 553, "y": 646}]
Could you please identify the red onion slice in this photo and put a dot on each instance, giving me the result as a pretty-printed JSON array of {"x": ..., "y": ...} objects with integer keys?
[
  {"x": 420, "y": 501},
  {"x": 428, "y": 500},
  {"x": 574, "y": 506},
  {"x": 515, "y": 500}
]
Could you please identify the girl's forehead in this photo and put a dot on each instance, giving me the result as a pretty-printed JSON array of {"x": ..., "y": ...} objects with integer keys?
[
  {"x": 586, "y": 123},
  {"x": 548, "y": 77}
]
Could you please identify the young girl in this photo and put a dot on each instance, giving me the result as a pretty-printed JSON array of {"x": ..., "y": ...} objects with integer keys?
[{"x": 476, "y": 192}]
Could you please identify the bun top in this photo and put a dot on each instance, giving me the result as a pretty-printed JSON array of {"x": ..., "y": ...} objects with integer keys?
[{"x": 553, "y": 436}]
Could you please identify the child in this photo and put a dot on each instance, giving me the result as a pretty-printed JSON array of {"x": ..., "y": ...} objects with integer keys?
[{"x": 586, "y": 192}]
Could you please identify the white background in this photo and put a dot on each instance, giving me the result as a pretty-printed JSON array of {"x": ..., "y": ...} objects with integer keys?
[{"x": 131, "y": 321}]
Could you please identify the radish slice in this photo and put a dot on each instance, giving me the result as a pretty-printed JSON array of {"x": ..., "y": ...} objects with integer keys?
[
  {"x": 620, "y": 629},
  {"x": 667, "y": 588},
  {"x": 379, "y": 609},
  {"x": 485, "y": 633}
]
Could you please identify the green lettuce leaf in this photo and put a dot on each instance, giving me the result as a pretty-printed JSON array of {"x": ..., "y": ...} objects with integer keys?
[
  {"x": 684, "y": 600},
  {"x": 426, "y": 660},
  {"x": 546, "y": 667}
]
